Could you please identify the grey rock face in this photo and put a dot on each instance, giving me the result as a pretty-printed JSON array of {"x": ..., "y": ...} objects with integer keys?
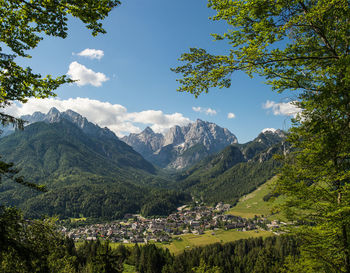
[
  {"x": 54, "y": 116},
  {"x": 174, "y": 136},
  {"x": 181, "y": 147},
  {"x": 263, "y": 141},
  {"x": 146, "y": 143}
]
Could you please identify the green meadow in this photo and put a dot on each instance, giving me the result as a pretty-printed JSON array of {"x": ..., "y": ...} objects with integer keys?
[{"x": 253, "y": 204}]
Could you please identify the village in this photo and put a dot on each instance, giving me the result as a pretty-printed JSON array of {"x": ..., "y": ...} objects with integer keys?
[{"x": 137, "y": 229}]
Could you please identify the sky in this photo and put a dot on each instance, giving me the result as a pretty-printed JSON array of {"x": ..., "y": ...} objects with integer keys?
[{"x": 124, "y": 78}]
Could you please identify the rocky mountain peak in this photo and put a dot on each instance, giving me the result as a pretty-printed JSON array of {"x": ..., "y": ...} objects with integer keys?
[
  {"x": 54, "y": 115},
  {"x": 200, "y": 139},
  {"x": 53, "y": 111},
  {"x": 73, "y": 115},
  {"x": 273, "y": 131},
  {"x": 78, "y": 119},
  {"x": 36, "y": 116},
  {"x": 199, "y": 121},
  {"x": 146, "y": 142},
  {"x": 147, "y": 131},
  {"x": 270, "y": 136},
  {"x": 174, "y": 136}
]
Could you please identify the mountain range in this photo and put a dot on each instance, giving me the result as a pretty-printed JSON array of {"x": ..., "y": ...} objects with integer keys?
[
  {"x": 181, "y": 147},
  {"x": 89, "y": 171},
  {"x": 236, "y": 170},
  {"x": 86, "y": 169}
]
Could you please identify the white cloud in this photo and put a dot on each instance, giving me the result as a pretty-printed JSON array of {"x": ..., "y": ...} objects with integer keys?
[
  {"x": 159, "y": 121},
  {"x": 114, "y": 116},
  {"x": 282, "y": 108},
  {"x": 231, "y": 115},
  {"x": 207, "y": 111},
  {"x": 210, "y": 111},
  {"x": 92, "y": 53},
  {"x": 196, "y": 109},
  {"x": 84, "y": 75}
]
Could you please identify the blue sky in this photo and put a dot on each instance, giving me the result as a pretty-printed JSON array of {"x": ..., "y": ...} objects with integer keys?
[{"x": 135, "y": 87}]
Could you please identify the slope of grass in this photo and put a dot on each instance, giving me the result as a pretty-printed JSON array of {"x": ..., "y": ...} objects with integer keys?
[{"x": 253, "y": 204}]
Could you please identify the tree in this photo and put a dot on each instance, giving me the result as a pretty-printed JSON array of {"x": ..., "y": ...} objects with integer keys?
[
  {"x": 23, "y": 25},
  {"x": 27, "y": 246},
  {"x": 104, "y": 260},
  {"x": 300, "y": 45},
  {"x": 32, "y": 246},
  {"x": 203, "y": 268}
]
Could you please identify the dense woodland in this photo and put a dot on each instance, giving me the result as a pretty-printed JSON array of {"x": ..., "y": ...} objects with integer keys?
[{"x": 81, "y": 178}]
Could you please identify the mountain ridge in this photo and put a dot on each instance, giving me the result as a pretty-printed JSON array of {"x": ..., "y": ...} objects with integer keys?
[
  {"x": 89, "y": 171},
  {"x": 236, "y": 170},
  {"x": 181, "y": 147},
  {"x": 86, "y": 169}
]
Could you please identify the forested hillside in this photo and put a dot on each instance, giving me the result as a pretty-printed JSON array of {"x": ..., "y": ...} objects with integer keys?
[
  {"x": 84, "y": 175},
  {"x": 235, "y": 171},
  {"x": 89, "y": 172}
]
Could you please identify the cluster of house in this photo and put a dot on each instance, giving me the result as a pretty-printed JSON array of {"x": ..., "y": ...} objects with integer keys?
[{"x": 137, "y": 229}]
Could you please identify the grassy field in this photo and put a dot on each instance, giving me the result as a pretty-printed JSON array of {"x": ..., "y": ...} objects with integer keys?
[
  {"x": 253, "y": 204},
  {"x": 188, "y": 241}
]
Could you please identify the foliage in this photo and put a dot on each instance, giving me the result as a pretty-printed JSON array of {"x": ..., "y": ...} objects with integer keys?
[
  {"x": 249, "y": 255},
  {"x": 150, "y": 259},
  {"x": 302, "y": 46},
  {"x": 23, "y": 25},
  {"x": 104, "y": 201},
  {"x": 163, "y": 202},
  {"x": 95, "y": 256},
  {"x": 8, "y": 171},
  {"x": 32, "y": 246},
  {"x": 315, "y": 180},
  {"x": 292, "y": 43},
  {"x": 203, "y": 268}
]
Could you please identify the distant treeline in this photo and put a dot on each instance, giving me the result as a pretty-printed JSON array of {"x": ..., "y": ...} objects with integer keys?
[{"x": 105, "y": 203}]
